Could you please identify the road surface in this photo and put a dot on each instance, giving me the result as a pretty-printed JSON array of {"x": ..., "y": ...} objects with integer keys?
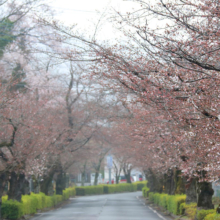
[{"x": 122, "y": 206}]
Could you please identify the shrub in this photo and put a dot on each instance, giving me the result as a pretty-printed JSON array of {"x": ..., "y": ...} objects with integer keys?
[
  {"x": 94, "y": 190},
  {"x": 173, "y": 203},
  {"x": 145, "y": 191},
  {"x": 190, "y": 210},
  {"x": 72, "y": 191},
  {"x": 151, "y": 196},
  {"x": 215, "y": 200},
  {"x": 49, "y": 201},
  {"x": 68, "y": 192},
  {"x": 39, "y": 198},
  {"x": 29, "y": 204},
  {"x": 43, "y": 197},
  {"x": 11, "y": 209},
  {"x": 156, "y": 198},
  {"x": 210, "y": 216},
  {"x": 4, "y": 198},
  {"x": 182, "y": 208},
  {"x": 109, "y": 189},
  {"x": 201, "y": 214},
  {"x": 80, "y": 191},
  {"x": 140, "y": 185},
  {"x": 163, "y": 200},
  {"x": 213, "y": 216}
]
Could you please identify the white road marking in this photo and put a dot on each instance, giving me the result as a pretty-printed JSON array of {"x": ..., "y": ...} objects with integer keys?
[
  {"x": 152, "y": 209},
  {"x": 157, "y": 213}
]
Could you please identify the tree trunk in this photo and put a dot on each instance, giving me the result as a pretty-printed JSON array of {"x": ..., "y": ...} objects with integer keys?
[
  {"x": 179, "y": 183},
  {"x": 83, "y": 174},
  {"x": 67, "y": 181},
  {"x": 21, "y": 186},
  {"x": 0, "y": 208},
  {"x": 59, "y": 189},
  {"x": 169, "y": 182},
  {"x": 3, "y": 182},
  {"x": 64, "y": 181},
  {"x": 60, "y": 183},
  {"x": 117, "y": 172},
  {"x": 17, "y": 186},
  {"x": 13, "y": 185},
  {"x": 205, "y": 192},
  {"x": 97, "y": 170},
  {"x": 128, "y": 176},
  {"x": 127, "y": 171},
  {"x": 190, "y": 187},
  {"x": 117, "y": 179},
  {"x": 155, "y": 182},
  {"x": 173, "y": 182},
  {"x": 96, "y": 178},
  {"x": 46, "y": 184},
  {"x": 35, "y": 184}
]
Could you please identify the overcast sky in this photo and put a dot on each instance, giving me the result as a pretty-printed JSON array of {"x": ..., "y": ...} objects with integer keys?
[{"x": 86, "y": 13}]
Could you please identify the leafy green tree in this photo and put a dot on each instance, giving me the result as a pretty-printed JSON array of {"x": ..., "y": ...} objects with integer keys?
[{"x": 6, "y": 35}]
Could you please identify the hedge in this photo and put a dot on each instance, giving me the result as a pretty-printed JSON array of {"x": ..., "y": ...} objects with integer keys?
[
  {"x": 170, "y": 202},
  {"x": 145, "y": 191},
  {"x": 112, "y": 188},
  {"x": 140, "y": 185},
  {"x": 213, "y": 216},
  {"x": 176, "y": 205},
  {"x": 173, "y": 203},
  {"x": 201, "y": 214},
  {"x": 190, "y": 210},
  {"x": 11, "y": 209},
  {"x": 29, "y": 204}
]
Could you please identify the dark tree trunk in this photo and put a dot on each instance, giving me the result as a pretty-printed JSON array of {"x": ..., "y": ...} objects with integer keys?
[
  {"x": 59, "y": 188},
  {"x": 128, "y": 177},
  {"x": 117, "y": 172},
  {"x": 169, "y": 182},
  {"x": 84, "y": 174},
  {"x": 97, "y": 170},
  {"x": 13, "y": 185},
  {"x": 64, "y": 181},
  {"x": 155, "y": 182},
  {"x": 127, "y": 172},
  {"x": 190, "y": 187},
  {"x": 60, "y": 183},
  {"x": 96, "y": 178},
  {"x": 200, "y": 193},
  {"x": 117, "y": 179},
  {"x": 205, "y": 192},
  {"x": 67, "y": 181},
  {"x": 17, "y": 186},
  {"x": 3, "y": 182},
  {"x": 46, "y": 183},
  {"x": 83, "y": 178},
  {"x": 179, "y": 183},
  {"x": 20, "y": 187},
  {"x": 35, "y": 184},
  {"x": 0, "y": 208}
]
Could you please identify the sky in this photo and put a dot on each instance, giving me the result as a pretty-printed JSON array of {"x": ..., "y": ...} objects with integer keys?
[{"x": 87, "y": 13}]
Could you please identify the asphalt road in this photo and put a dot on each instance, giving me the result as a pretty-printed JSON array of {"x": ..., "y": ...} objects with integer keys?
[{"x": 123, "y": 206}]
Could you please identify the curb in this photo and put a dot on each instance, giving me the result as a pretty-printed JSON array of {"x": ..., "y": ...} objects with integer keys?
[{"x": 157, "y": 210}]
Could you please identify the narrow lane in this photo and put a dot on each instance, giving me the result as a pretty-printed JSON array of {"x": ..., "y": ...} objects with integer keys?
[{"x": 123, "y": 206}]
